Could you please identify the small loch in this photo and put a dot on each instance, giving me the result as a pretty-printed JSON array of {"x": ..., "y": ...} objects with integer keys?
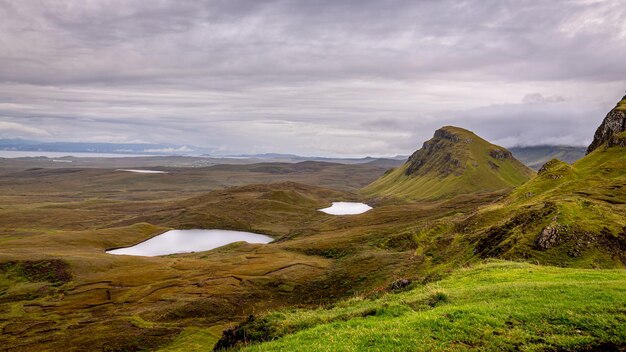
[
  {"x": 346, "y": 208},
  {"x": 140, "y": 171},
  {"x": 187, "y": 241}
]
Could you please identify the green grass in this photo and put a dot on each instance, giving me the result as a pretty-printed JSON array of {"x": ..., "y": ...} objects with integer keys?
[
  {"x": 497, "y": 306},
  {"x": 195, "y": 339},
  {"x": 585, "y": 201},
  {"x": 474, "y": 171}
]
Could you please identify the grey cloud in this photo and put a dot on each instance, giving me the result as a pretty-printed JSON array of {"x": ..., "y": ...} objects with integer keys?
[
  {"x": 538, "y": 98},
  {"x": 320, "y": 76}
]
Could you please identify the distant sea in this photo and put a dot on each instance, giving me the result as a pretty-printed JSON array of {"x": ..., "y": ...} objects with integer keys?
[{"x": 24, "y": 154}]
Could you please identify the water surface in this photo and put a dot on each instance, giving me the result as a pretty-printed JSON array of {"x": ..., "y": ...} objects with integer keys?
[
  {"x": 37, "y": 154},
  {"x": 346, "y": 208},
  {"x": 139, "y": 171},
  {"x": 187, "y": 241}
]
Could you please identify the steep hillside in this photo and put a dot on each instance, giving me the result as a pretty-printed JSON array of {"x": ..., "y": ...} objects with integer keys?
[
  {"x": 474, "y": 309},
  {"x": 568, "y": 214},
  {"x": 535, "y": 156},
  {"x": 454, "y": 162}
]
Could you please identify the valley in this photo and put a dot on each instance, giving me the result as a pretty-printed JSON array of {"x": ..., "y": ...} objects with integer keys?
[{"x": 460, "y": 223}]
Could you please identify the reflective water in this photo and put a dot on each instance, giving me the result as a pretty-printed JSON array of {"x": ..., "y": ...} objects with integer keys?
[
  {"x": 187, "y": 241},
  {"x": 346, "y": 208},
  {"x": 32, "y": 154},
  {"x": 143, "y": 171}
]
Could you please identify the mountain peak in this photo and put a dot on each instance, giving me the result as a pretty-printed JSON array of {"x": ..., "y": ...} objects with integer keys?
[
  {"x": 449, "y": 151},
  {"x": 611, "y": 131},
  {"x": 455, "y": 161},
  {"x": 455, "y": 134}
]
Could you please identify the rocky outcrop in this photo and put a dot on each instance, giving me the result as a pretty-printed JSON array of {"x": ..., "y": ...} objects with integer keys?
[
  {"x": 549, "y": 237},
  {"x": 550, "y": 165},
  {"x": 610, "y": 132},
  {"x": 500, "y": 154},
  {"x": 399, "y": 284},
  {"x": 439, "y": 145},
  {"x": 446, "y": 134},
  {"x": 554, "y": 169}
]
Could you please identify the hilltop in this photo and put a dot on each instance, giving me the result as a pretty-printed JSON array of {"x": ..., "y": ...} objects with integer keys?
[{"x": 454, "y": 162}]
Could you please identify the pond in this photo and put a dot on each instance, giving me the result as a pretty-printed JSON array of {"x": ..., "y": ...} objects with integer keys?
[
  {"x": 346, "y": 208},
  {"x": 139, "y": 171},
  {"x": 187, "y": 241}
]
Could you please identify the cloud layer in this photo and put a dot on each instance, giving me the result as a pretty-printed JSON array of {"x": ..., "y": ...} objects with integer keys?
[{"x": 320, "y": 77}]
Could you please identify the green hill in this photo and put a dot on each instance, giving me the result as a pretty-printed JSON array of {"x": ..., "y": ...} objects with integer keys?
[
  {"x": 474, "y": 309},
  {"x": 454, "y": 162},
  {"x": 568, "y": 214}
]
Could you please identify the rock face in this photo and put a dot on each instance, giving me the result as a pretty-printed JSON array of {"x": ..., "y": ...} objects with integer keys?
[
  {"x": 549, "y": 237},
  {"x": 500, "y": 154},
  {"x": 612, "y": 127},
  {"x": 440, "y": 143}
]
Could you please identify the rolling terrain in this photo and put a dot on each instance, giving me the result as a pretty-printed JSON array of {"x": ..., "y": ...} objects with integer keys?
[
  {"x": 569, "y": 215},
  {"x": 402, "y": 272}
]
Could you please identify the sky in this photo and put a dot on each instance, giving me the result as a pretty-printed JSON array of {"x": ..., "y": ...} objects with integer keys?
[{"x": 309, "y": 77}]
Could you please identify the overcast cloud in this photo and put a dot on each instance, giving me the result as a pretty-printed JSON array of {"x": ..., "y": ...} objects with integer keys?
[{"x": 313, "y": 77}]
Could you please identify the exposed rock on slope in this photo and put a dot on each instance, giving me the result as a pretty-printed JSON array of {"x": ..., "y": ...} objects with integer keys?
[
  {"x": 455, "y": 161},
  {"x": 612, "y": 128},
  {"x": 568, "y": 214}
]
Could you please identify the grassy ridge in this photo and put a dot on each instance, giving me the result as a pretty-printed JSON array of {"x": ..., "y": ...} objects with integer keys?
[
  {"x": 567, "y": 215},
  {"x": 479, "y": 308}
]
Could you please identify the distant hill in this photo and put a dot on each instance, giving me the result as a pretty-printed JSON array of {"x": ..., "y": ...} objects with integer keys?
[
  {"x": 292, "y": 158},
  {"x": 454, "y": 162},
  {"x": 535, "y": 156},
  {"x": 87, "y": 147}
]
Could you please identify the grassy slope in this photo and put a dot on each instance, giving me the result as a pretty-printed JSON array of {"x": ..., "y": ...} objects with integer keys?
[
  {"x": 473, "y": 309},
  {"x": 586, "y": 202},
  {"x": 477, "y": 177}
]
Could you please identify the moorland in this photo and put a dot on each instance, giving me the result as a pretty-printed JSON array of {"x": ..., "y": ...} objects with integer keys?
[{"x": 465, "y": 248}]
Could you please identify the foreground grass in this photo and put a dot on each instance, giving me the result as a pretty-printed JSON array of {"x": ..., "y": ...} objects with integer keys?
[
  {"x": 493, "y": 306},
  {"x": 195, "y": 339}
]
